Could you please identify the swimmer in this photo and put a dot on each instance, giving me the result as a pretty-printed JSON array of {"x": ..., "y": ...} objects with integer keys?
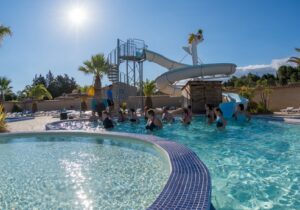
[
  {"x": 221, "y": 122},
  {"x": 133, "y": 116},
  {"x": 107, "y": 122},
  {"x": 122, "y": 117},
  {"x": 241, "y": 114},
  {"x": 167, "y": 116},
  {"x": 186, "y": 117},
  {"x": 153, "y": 122},
  {"x": 210, "y": 115}
]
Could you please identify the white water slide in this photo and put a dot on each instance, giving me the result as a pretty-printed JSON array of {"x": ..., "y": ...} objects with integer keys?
[{"x": 179, "y": 71}]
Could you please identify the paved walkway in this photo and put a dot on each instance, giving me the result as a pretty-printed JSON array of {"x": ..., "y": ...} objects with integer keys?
[{"x": 36, "y": 124}]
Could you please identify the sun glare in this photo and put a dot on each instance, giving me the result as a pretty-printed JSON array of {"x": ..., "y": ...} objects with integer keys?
[{"x": 77, "y": 16}]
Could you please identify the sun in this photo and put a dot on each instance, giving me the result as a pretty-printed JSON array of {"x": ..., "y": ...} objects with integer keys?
[{"x": 77, "y": 16}]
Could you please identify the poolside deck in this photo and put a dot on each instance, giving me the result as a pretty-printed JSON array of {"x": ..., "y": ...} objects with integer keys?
[{"x": 36, "y": 124}]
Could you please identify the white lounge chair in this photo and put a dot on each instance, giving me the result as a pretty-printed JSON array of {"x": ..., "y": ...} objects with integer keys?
[
  {"x": 287, "y": 109},
  {"x": 296, "y": 110}
]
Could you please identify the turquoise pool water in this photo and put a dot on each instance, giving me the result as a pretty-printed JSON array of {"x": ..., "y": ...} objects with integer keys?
[
  {"x": 79, "y": 172},
  {"x": 253, "y": 166}
]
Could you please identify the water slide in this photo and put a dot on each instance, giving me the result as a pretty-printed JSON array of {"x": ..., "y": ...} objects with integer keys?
[
  {"x": 179, "y": 71},
  {"x": 232, "y": 100}
]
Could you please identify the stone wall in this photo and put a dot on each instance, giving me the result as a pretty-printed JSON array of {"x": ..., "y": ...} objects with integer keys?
[
  {"x": 282, "y": 97},
  {"x": 158, "y": 101}
]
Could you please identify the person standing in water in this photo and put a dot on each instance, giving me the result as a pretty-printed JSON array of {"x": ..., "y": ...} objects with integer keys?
[
  {"x": 110, "y": 100},
  {"x": 167, "y": 116},
  {"x": 153, "y": 122},
  {"x": 186, "y": 117},
  {"x": 210, "y": 115},
  {"x": 107, "y": 121},
  {"x": 220, "y": 121},
  {"x": 241, "y": 114}
]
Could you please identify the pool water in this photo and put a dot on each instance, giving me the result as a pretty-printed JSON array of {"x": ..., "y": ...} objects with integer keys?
[
  {"x": 253, "y": 165},
  {"x": 79, "y": 172}
]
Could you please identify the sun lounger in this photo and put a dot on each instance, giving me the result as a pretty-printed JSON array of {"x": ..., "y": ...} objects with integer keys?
[
  {"x": 296, "y": 110},
  {"x": 288, "y": 109}
]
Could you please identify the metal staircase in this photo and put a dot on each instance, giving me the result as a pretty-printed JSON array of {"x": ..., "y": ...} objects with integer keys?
[{"x": 130, "y": 52}]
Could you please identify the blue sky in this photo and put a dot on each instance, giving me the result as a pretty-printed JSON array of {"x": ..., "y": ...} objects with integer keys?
[{"x": 248, "y": 33}]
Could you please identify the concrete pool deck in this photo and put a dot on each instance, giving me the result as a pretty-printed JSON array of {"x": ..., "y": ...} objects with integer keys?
[{"x": 36, "y": 124}]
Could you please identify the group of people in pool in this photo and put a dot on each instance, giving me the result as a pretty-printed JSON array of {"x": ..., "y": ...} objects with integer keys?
[{"x": 214, "y": 115}]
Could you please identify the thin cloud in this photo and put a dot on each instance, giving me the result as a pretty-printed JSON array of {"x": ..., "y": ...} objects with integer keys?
[{"x": 260, "y": 69}]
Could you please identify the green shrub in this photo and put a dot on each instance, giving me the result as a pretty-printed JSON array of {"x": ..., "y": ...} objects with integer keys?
[{"x": 3, "y": 126}]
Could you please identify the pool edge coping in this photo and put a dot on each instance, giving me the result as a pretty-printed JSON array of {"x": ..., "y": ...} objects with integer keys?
[{"x": 185, "y": 168}]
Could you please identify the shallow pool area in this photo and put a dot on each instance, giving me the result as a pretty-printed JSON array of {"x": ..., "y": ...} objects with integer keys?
[
  {"x": 78, "y": 171},
  {"x": 253, "y": 165}
]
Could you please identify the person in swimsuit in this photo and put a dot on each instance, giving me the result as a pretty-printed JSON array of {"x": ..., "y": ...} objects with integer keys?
[
  {"x": 153, "y": 122},
  {"x": 220, "y": 121},
  {"x": 110, "y": 101},
  {"x": 210, "y": 115},
  {"x": 146, "y": 108},
  {"x": 107, "y": 122},
  {"x": 241, "y": 114},
  {"x": 167, "y": 116},
  {"x": 122, "y": 117},
  {"x": 186, "y": 117},
  {"x": 133, "y": 116}
]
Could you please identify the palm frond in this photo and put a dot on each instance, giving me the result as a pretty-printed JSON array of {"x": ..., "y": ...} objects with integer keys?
[
  {"x": 149, "y": 87},
  {"x": 4, "y": 31}
]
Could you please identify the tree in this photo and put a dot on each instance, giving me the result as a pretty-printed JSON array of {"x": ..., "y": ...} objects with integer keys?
[
  {"x": 4, "y": 31},
  {"x": 37, "y": 92},
  {"x": 37, "y": 80},
  {"x": 282, "y": 75},
  {"x": 4, "y": 87},
  {"x": 264, "y": 92},
  {"x": 247, "y": 92},
  {"x": 98, "y": 67},
  {"x": 148, "y": 89},
  {"x": 2, "y": 119},
  {"x": 58, "y": 85},
  {"x": 295, "y": 60}
]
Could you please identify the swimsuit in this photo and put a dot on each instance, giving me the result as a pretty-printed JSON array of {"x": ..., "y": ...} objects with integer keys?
[
  {"x": 151, "y": 127},
  {"x": 219, "y": 122},
  {"x": 107, "y": 123}
]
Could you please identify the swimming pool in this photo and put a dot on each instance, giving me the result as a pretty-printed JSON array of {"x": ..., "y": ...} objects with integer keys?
[
  {"x": 79, "y": 171},
  {"x": 253, "y": 166}
]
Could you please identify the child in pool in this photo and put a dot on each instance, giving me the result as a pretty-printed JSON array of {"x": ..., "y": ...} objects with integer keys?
[
  {"x": 241, "y": 114},
  {"x": 186, "y": 117},
  {"x": 220, "y": 121},
  {"x": 167, "y": 116},
  {"x": 107, "y": 122},
  {"x": 133, "y": 117},
  {"x": 153, "y": 122},
  {"x": 210, "y": 115}
]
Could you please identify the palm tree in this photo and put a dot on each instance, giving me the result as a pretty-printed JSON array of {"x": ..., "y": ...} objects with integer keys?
[
  {"x": 98, "y": 67},
  {"x": 149, "y": 89},
  {"x": 295, "y": 59},
  {"x": 4, "y": 87},
  {"x": 37, "y": 92},
  {"x": 4, "y": 31}
]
